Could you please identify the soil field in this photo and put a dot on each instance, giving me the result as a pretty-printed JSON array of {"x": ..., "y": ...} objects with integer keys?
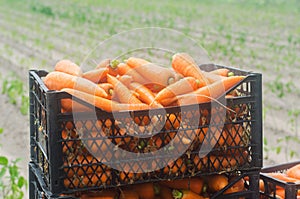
[{"x": 260, "y": 36}]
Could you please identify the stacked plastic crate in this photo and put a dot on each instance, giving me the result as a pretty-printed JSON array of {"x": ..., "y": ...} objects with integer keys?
[{"x": 78, "y": 152}]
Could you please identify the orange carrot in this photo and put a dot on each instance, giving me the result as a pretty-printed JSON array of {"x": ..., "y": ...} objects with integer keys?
[
  {"x": 156, "y": 75},
  {"x": 59, "y": 80},
  {"x": 127, "y": 176},
  {"x": 294, "y": 172},
  {"x": 221, "y": 71},
  {"x": 172, "y": 121},
  {"x": 127, "y": 193},
  {"x": 104, "y": 194},
  {"x": 86, "y": 165},
  {"x": 165, "y": 192},
  {"x": 104, "y": 104},
  {"x": 195, "y": 184},
  {"x": 145, "y": 95},
  {"x": 122, "y": 92},
  {"x": 211, "y": 91},
  {"x": 104, "y": 63},
  {"x": 185, "y": 194},
  {"x": 108, "y": 88},
  {"x": 97, "y": 179},
  {"x": 216, "y": 182},
  {"x": 96, "y": 75},
  {"x": 135, "y": 62},
  {"x": 280, "y": 193},
  {"x": 69, "y": 105},
  {"x": 235, "y": 135},
  {"x": 185, "y": 85},
  {"x": 185, "y": 65},
  {"x": 283, "y": 177},
  {"x": 222, "y": 162},
  {"x": 176, "y": 167},
  {"x": 144, "y": 190},
  {"x": 124, "y": 69},
  {"x": 113, "y": 67},
  {"x": 236, "y": 187},
  {"x": 68, "y": 67},
  {"x": 70, "y": 145}
]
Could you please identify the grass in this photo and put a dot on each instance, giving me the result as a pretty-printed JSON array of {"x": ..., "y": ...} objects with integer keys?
[{"x": 15, "y": 90}]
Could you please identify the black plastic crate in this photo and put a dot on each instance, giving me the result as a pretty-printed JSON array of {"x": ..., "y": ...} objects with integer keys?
[
  {"x": 59, "y": 139},
  {"x": 250, "y": 179},
  {"x": 39, "y": 190},
  {"x": 270, "y": 183},
  {"x": 37, "y": 187}
]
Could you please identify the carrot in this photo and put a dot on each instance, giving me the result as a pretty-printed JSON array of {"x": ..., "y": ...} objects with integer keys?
[
  {"x": 68, "y": 67},
  {"x": 185, "y": 194},
  {"x": 177, "y": 167},
  {"x": 294, "y": 172},
  {"x": 69, "y": 105},
  {"x": 145, "y": 95},
  {"x": 59, "y": 80},
  {"x": 222, "y": 162},
  {"x": 185, "y": 65},
  {"x": 236, "y": 187},
  {"x": 194, "y": 184},
  {"x": 144, "y": 190},
  {"x": 123, "y": 93},
  {"x": 129, "y": 177},
  {"x": 104, "y": 194},
  {"x": 235, "y": 135},
  {"x": 209, "y": 92},
  {"x": 185, "y": 85},
  {"x": 216, "y": 182},
  {"x": 156, "y": 142},
  {"x": 113, "y": 67},
  {"x": 157, "y": 75},
  {"x": 97, "y": 179},
  {"x": 108, "y": 88},
  {"x": 280, "y": 193},
  {"x": 218, "y": 138},
  {"x": 104, "y": 104},
  {"x": 128, "y": 194},
  {"x": 124, "y": 69},
  {"x": 70, "y": 143},
  {"x": 96, "y": 75},
  {"x": 172, "y": 121},
  {"x": 85, "y": 165},
  {"x": 135, "y": 62},
  {"x": 283, "y": 177},
  {"x": 225, "y": 72},
  {"x": 103, "y": 63},
  {"x": 165, "y": 192}
]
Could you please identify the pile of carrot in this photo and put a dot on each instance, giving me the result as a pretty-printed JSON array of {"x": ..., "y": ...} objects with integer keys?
[
  {"x": 138, "y": 84},
  {"x": 291, "y": 175},
  {"x": 187, "y": 188}
]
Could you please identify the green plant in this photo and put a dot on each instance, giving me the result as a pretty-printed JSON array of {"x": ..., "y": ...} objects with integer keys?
[
  {"x": 279, "y": 87},
  {"x": 12, "y": 184},
  {"x": 14, "y": 89},
  {"x": 1, "y": 131},
  {"x": 293, "y": 115},
  {"x": 286, "y": 141}
]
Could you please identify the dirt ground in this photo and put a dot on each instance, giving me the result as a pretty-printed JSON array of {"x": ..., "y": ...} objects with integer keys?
[{"x": 278, "y": 123}]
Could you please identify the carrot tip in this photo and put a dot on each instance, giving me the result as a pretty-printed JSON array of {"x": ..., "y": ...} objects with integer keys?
[
  {"x": 171, "y": 80},
  {"x": 177, "y": 194},
  {"x": 230, "y": 74},
  {"x": 114, "y": 63}
]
